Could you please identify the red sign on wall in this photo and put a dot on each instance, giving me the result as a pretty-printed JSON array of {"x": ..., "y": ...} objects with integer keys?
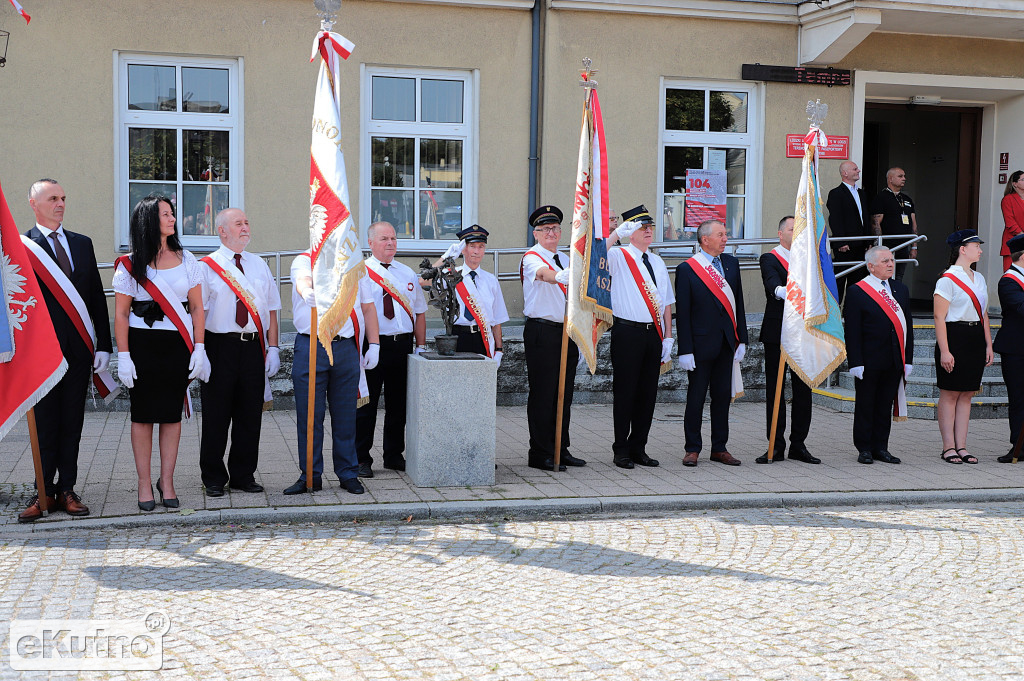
[{"x": 838, "y": 147}]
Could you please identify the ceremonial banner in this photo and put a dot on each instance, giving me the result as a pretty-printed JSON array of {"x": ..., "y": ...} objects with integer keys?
[
  {"x": 589, "y": 312},
  {"x": 21, "y": 11},
  {"x": 812, "y": 328},
  {"x": 333, "y": 237},
  {"x": 31, "y": 361}
]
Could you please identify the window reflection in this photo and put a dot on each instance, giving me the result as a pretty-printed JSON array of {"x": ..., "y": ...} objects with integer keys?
[
  {"x": 441, "y": 101},
  {"x": 441, "y": 163},
  {"x": 393, "y": 99},
  {"x": 151, "y": 88},
  {"x": 684, "y": 109},
  {"x": 206, "y": 155},
  {"x": 728, "y": 112},
  {"x": 201, "y": 204},
  {"x": 152, "y": 154},
  {"x": 204, "y": 90}
]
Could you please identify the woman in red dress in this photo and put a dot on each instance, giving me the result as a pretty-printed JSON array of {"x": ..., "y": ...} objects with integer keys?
[{"x": 1013, "y": 212}]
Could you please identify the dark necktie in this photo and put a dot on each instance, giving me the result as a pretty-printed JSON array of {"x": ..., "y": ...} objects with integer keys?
[
  {"x": 62, "y": 256},
  {"x": 389, "y": 303},
  {"x": 557, "y": 261},
  {"x": 466, "y": 312},
  {"x": 717, "y": 262},
  {"x": 241, "y": 314},
  {"x": 647, "y": 263}
]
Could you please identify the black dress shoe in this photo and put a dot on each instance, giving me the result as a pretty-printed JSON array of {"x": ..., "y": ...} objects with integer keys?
[
  {"x": 644, "y": 460},
  {"x": 800, "y": 453},
  {"x": 253, "y": 487},
  {"x": 547, "y": 464},
  {"x": 570, "y": 460},
  {"x": 353, "y": 486},
  {"x": 1007, "y": 458},
  {"x": 624, "y": 463},
  {"x": 398, "y": 465},
  {"x": 300, "y": 486},
  {"x": 168, "y": 502},
  {"x": 214, "y": 490},
  {"x": 778, "y": 457},
  {"x": 365, "y": 470},
  {"x": 885, "y": 457},
  {"x": 865, "y": 457}
]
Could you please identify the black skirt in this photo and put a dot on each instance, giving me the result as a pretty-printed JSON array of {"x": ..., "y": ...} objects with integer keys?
[
  {"x": 161, "y": 362},
  {"x": 967, "y": 345}
]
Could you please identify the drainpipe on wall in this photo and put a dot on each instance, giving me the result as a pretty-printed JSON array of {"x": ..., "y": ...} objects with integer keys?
[{"x": 535, "y": 69}]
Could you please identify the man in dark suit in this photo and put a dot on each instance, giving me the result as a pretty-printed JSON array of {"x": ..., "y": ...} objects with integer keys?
[
  {"x": 61, "y": 413},
  {"x": 774, "y": 272},
  {"x": 1009, "y": 342},
  {"x": 711, "y": 330},
  {"x": 847, "y": 216},
  {"x": 876, "y": 315}
]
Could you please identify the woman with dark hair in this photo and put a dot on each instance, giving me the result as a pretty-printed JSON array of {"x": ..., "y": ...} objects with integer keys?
[
  {"x": 963, "y": 342},
  {"x": 159, "y": 325},
  {"x": 1013, "y": 213}
]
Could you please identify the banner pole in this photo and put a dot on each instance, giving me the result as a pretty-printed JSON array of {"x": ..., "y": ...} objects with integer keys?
[
  {"x": 775, "y": 409},
  {"x": 37, "y": 460},
  {"x": 560, "y": 407},
  {"x": 311, "y": 397}
]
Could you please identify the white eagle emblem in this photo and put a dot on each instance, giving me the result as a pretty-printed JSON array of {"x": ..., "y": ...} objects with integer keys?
[
  {"x": 317, "y": 216},
  {"x": 13, "y": 282}
]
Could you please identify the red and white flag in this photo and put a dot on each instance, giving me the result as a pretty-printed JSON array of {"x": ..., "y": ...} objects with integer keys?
[
  {"x": 31, "y": 361},
  {"x": 21, "y": 10},
  {"x": 333, "y": 237}
]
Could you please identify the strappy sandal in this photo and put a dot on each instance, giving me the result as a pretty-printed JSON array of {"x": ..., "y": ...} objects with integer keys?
[
  {"x": 955, "y": 458},
  {"x": 968, "y": 457}
]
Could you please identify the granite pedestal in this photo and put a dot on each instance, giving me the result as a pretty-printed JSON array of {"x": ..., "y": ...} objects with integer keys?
[{"x": 450, "y": 420}]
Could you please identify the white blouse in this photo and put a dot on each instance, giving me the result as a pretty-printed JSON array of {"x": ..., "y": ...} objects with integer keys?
[
  {"x": 961, "y": 307},
  {"x": 179, "y": 280}
]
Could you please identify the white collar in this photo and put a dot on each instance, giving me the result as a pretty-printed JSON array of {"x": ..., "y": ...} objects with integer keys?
[
  {"x": 875, "y": 282},
  {"x": 47, "y": 231},
  {"x": 374, "y": 259},
  {"x": 227, "y": 253},
  {"x": 783, "y": 250},
  {"x": 636, "y": 251},
  {"x": 851, "y": 187},
  {"x": 541, "y": 249}
]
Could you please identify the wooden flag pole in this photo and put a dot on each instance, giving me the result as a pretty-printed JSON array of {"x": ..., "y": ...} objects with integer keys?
[
  {"x": 311, "y": 398},
  {"x": 559, "y": 408},
  {"x": 37, "y": 460},
  {"x": 775, "y": 408}
]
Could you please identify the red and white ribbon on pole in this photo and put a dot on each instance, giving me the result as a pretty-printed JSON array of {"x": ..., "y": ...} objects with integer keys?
[{"x": 21, "y": 10}]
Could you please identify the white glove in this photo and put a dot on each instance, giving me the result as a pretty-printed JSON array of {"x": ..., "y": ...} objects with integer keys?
[
  {"x": 687, "y": 362},
  {"x": 273, "y": 362},
  {"x": 666, "y": 349},
  {"x": 455, "y": 250},
  {"x": 126, "y": 369},
  {"x": 309, "y": 296},
  {"x": 908, "y": 369},
  {"x": 100, "y": 361},
  {"x": 741, "y": 352},
  {"x": 562, "y": 277},
  {"x": 198, "y": 363},
  {"x": 780, "y": 292},
  {"x": 498, "y": 354},
  {"x": 624, "y": 230},
  {"x": 857, "y": 372},
  {"x": 371, "y": 357},
  {"x": 419, "y": 349},
  {"x": 204, "y": 375}
]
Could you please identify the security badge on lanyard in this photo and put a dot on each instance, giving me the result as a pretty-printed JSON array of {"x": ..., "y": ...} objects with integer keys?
[{"x": 903, "y": 208}]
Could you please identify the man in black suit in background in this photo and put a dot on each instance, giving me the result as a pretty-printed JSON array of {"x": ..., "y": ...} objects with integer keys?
[
  {"x": 774, "y": 272},
  {"x": 711, "y": 330},
  {"x": 873, "y": 349},
  {"x": 1009, "y": 342},
  {"x": 61, "y": 413},
  {"x": 848, "y": 216}
]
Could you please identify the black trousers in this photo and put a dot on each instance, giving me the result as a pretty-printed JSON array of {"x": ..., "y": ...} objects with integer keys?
[
  {"x": 391, "y": 375},
  {"x": 1013, "y": 376},
  {"x": 716, "y": 374},
  {"x": 469, "y": 340},
  {"x": 543, "y": 343},
  {"x": 801, "y": 401},
  {"x": 232, "y": 399},
  {"x": 636, "y": 361},
  {"x": 872, "y": 411},
  {"x": 59, "y": 418}
]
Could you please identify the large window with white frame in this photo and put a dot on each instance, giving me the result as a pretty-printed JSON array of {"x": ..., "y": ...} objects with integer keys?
[
  {"x": 179, "y": 130},
  {"x": 419, "y": 151},
  {"x": 711, "y": 126}
]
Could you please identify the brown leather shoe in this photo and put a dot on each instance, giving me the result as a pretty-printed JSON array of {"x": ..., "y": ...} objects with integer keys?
[
  {"x": 34, "y": 511},
  {"x": 690, "y": 458},
  {"x": 726, "y": 458},
  {"x": 71, "y": 503}
]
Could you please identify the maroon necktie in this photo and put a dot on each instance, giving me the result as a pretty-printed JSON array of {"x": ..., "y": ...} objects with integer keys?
[
  {"x": 389, "y": 303},
  {"x": 241, "y": 314},
  {"x": 63, "y": 261}
]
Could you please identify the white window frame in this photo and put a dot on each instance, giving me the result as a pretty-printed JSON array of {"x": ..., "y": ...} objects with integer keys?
[
  {"x": 467, "y": 131},
  {"x": 125, "y": 119},
  {"x": 752, "y": 141}
]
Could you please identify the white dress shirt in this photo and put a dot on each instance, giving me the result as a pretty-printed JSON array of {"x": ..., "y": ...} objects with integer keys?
[
  {"x": 961, "y": 307},
  {"x": 180, "y": 280},
  {"x": 856, "y": 197},
  {"x": 220, "y": 301},
  {"x": 628, "y": 302},
  {"x": 301, "y": 311},
  {"x": 541, "y": 299},
  {"x": 406, "y": 282},
  {"x": 488, "y": 294},
  {"x": 61, "y": 237}
]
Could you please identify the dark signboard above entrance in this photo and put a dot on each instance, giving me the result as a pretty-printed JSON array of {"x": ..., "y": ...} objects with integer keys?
[{"x": 797, "y": 74}]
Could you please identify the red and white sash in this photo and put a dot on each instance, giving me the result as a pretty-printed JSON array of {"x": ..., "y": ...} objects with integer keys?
[
  {"x": 384, "y": 280},
  {"x": 468, "y": 294},
  {"x": 649, "y": 293},
  {"x": 968, "y": 288},
  {"x": 243, "y": 289},
  {"x": 720, "y": 289},
  {"x": 1014, "y": 273},
  {"x": 57, "y": 283},
  {"x": 894, "y": 312},
  {"x": 158, "y": 290},
  {"x": 783, "y": 258},
  {"x": 522, "y": 276}
]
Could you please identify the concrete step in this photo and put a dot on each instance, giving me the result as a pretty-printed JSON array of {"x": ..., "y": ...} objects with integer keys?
[
  {"x": 924, "y": 386},
  {"x": 843, "y": 399}
]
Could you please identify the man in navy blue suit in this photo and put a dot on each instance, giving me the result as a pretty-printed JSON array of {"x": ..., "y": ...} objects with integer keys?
[
  {"x": 1009, "y": 342},
  {"x": 711, "y": 330},
  {"x": 877, "y": 318}
]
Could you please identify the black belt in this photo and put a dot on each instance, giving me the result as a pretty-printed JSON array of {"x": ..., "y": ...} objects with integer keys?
[
  {"x": 964, "y": 323},
  {"x": 150, "y": 312},
  {"x": 462, "y": 328},
  {"x": 395, "y": 337},
  {"x": 243, "y": 336},
  {"x": 546, "y": 322},
  {"x": 299, "y": 333},
  {"x": 640, "y": 325}
]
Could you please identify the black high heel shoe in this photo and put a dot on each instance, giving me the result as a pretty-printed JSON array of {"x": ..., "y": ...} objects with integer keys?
[
  {"x": 169, "y": 502},
  {"x": 147, "y": 505}
]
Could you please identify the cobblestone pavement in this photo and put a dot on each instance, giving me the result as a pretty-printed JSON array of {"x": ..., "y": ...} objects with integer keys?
[{"x": 930, "y": 592}]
